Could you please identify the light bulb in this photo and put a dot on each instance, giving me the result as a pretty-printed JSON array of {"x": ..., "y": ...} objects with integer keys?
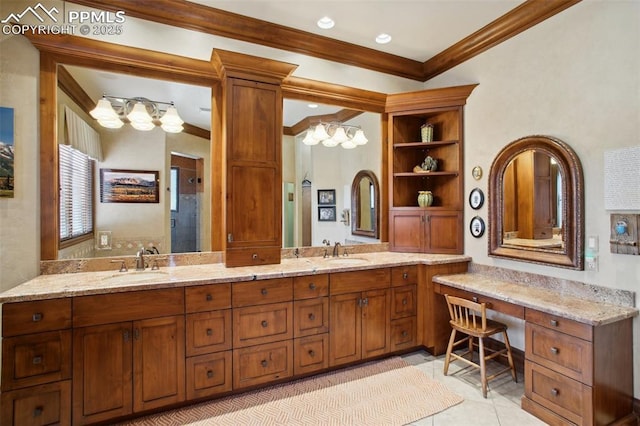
[{"x": 139, "y": 114}]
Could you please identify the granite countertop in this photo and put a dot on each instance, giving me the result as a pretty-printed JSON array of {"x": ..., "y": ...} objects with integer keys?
[
  {"x": 87, "y": 283},
  {"x": 586, "y": 305}
]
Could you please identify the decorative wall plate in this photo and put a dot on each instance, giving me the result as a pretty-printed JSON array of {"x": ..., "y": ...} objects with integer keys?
[
  {"x": 476, "y": 172},
  {"x": 477, "y": 227},
  {"x": 476, "y": 198}
]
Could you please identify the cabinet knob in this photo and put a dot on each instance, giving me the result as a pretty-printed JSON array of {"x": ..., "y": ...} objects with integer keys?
[
  {"x": 209, "y": 297},
  {"x": 312, "y": 317},
  {"x": 209, "y": 374},
  {"x": 209, "y": 332},
  {"x": 37, "y": 412},
  {"x": 264, "y": 363},
  {"x": 404, "y": 333},
  {"x": 554, "y": 323},
  {"x": 404, "y": 301},
  {"x": 264, "y": 291},
  {"x": 37, "y": 360},
  {"x": 254, "y": 256},
  {"x": 125, "y": 335},
  {"x": 475, "y": 299},
  {"x": 312, "y": 353},
  {"x": 554, "y": 350},
  {"x": 405, "y": 276},
  {"x": 555, "y": 392},
  {"x": 264, "y": 323},
  {"x": 36, "y": 317},
  {"x": 312, "y": 286}
]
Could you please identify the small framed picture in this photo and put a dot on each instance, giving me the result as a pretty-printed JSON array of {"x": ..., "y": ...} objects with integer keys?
[
  {"x": 477, "y": 227},
  {"x": 476, "y": 198},
  {"x": 128, "y": 186},
  {"x": 326, "y": 197},
  {"x": 327, "y": 214}
]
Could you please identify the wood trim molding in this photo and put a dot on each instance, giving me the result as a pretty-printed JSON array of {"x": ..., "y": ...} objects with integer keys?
[
  {"x": 523, "y": 17},
  {"x": 218, "y": 22},
  {"x": 429, "y": 98},
  {"x": 254, "y": 68}
]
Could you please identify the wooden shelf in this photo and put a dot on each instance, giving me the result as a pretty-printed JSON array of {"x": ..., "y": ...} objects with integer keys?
[
  {"x": 429, "y": 174},
  {"x": 425, "y": 145}
]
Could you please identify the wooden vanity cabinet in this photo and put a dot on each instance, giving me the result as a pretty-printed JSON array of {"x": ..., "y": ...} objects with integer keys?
[
  {"x": 404, "y": 282},
  {"x": 437, "y": 228},
  {"x": 129, "y": 353},
  {"x": 577, "y": 373},
  {"x": 310, "y": 323},
  {"x": 36, "y": 363},
  {"x": 360, "y": 314}
]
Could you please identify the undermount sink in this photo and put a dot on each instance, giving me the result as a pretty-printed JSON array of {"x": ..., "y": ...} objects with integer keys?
[
  {"x": 347, "y": 260},
  {"x": 135, "y": 277}
]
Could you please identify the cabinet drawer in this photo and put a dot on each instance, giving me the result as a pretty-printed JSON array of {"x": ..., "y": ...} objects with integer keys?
[
  {"x": 311, "y": 353},
  {"x": 208, "y": 332},
  {"x": 404, "y": 275},
  {"x": 263, "y": 363},
  {"x": 310, "y": 286},
  {"x": 349, "y": 282},
  {"x": 494, "y": 304},
  {"x": 208, "y": 375},
  {"x": 40, "y": 405},
  {"x": 560, "y": 352},
  {"x": 34, "y": 317},
  {"x": 403, "y": 333},
  {"x": 35, "y": 359},
  {"x": 130, "y": 306},
  {"x": 207, "y": 297},
  {"x": 262, "y": 292},
  {"x": 554, "y": 322},
  {"x": 562, "y": 395},
  {"x": 403, "y": 301},
  {"x": 310, "y": 316},
  {"x": 255, "y": 325}
]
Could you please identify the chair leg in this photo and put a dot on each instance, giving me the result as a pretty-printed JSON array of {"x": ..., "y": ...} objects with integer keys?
[
  {"x": 510, "y": 357},
  {"x": 471, "y": 348},
  {"x": 483, "y": 369},
  {"x": 447, "y": 357}
]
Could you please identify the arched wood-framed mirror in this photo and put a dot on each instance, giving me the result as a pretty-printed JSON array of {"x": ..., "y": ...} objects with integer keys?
[
  {"x": 540, "y": 177},
  {"x": 365, "y": 204}
]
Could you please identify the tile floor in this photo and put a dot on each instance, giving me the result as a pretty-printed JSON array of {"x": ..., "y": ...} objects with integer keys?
[{"x": 500, "y": 408}]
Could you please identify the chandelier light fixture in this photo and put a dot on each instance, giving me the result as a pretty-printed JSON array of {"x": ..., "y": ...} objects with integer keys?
[
  {"x": 334, "y": 134},
  {"x": 142, "y": 113}
]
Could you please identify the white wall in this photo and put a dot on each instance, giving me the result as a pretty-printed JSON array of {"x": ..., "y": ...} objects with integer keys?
[{"x": 576, "y": 77}]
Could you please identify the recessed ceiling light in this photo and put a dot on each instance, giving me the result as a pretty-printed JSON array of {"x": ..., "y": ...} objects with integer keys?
[
  {"x": 313, "y": 105},
  {"x": 325, "y": 23},
  {"x": 383, "y": 38}
]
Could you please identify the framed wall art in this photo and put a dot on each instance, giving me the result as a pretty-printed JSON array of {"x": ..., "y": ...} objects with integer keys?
[
  {"x": 7, "y": 176},
  {"x": 129, "y": 186},
  {"x": 326, "y": 197},
  {"x": 327, "y": 214}
]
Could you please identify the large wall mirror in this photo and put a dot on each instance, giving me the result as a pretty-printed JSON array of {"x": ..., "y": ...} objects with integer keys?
[
  {"x": 365, "y": 204},
  {"x": 536, "y": 203}
]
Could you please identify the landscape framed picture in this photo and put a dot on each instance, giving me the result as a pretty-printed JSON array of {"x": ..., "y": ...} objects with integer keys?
[
  {"x": 326, "y": 197},
  {"x": 7, "y": 177},
  {"x": 129, "y": 186}
]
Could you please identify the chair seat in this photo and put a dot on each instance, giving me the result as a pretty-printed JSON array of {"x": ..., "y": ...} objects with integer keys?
[{"x": 492, "y": 328}]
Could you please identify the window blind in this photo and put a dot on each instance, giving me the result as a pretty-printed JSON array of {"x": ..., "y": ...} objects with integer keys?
[{"x": 76, "y": 193}]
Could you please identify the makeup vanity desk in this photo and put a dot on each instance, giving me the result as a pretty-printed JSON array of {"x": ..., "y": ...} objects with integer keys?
[{"x": 578, "y": 344}]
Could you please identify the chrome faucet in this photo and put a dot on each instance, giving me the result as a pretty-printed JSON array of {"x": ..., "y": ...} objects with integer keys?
[
  {"x": 140, "y": 260},
  {"x": 336, "y": 251}
]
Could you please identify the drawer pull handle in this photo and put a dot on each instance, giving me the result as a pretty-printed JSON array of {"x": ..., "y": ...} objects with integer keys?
[
  {"x": 264, "y": 291},
  {"x": 555, "y": 392},
  {"x": 37, "y": 412},
  {"x": 209, "y": 297},
  {"x": 254, "y": 256},
  {"x": 405, "y": 276},
  {"x": 209, "y": 374},
  {"x": 37, "y": 360},
  {"x": 312, "y": 353},
  {"x": 554, "y": 323},
  {"x": 36, "y": 317},
  {"x": 264, "y": 323},
  {"x": 312, "y": 286},
  {"x": 312, "y": 317},
  {"x": 554, "y": 350},
  {"x": 264, "y": 363},
  {"x": 475, "y": 299},
  {"x": 125, "y": 335},
  {"x": 209, "y": 332},
  {"x": 404, "y": 333},
  {"x": 404, "y": 301}
]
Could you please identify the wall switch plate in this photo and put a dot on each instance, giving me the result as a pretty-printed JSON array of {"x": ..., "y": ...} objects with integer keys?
[
  {"x": 591, "y": 263},
  {"x": 592, "y": 243}
]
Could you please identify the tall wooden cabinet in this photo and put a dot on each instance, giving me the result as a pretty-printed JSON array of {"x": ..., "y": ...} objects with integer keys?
[
  {"x": 251, "y": 161},
  {"x": 437, "y": 228}
]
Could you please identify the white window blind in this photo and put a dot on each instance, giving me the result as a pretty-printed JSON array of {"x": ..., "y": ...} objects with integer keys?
[{"x": 76, "y": 193}]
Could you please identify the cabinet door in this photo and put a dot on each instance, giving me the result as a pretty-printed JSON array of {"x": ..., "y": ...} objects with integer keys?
[
  {"x": 102, "y": 375},
  {"x": 444, "y": 230},
  {"x": 159, "y": 362},
  {"x": 406, "y": 230},
  {"x": 376, "y": 317},
  {"x": 345, "y": 328}
]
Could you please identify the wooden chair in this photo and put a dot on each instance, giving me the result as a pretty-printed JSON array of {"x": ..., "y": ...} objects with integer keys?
[{"x": 470, "y": 318}]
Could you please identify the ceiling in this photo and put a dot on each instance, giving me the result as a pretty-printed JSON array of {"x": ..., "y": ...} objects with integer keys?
[{"x": 420, "y": 29}]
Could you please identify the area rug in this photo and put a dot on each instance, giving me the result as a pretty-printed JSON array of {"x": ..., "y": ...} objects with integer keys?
[{"x": 388, "y": 392}]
